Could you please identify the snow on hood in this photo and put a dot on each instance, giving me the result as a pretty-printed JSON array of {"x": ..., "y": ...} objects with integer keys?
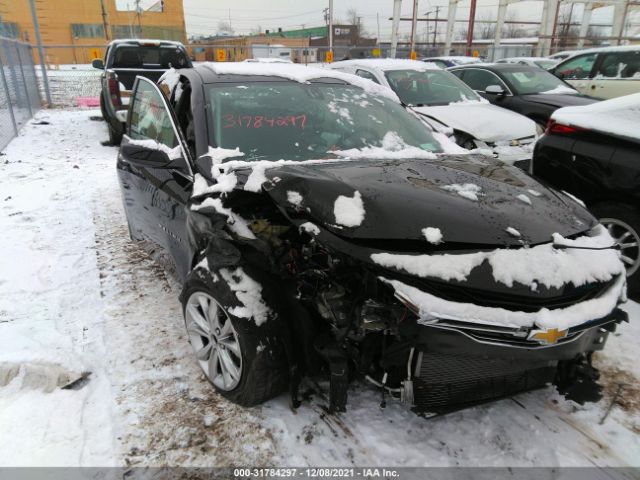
[
  {"x": 431, "y": 306},
  {"x": 618, "y": 116},
  {"x": 544, "y": 264},
  {"x": 562, "y": 89},
  {"x": 393, "y": 147},
  {"x": 485, "y": 122},
  {"x": 298, "y": 73}
]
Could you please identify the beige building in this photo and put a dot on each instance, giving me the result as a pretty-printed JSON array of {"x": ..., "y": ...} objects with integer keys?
[
  {"x": 75, "y": 31},
  {"x": 237, "y": 49}
]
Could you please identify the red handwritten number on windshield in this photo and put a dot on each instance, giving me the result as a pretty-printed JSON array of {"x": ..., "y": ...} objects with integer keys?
[{"x": 261, "y": 121}]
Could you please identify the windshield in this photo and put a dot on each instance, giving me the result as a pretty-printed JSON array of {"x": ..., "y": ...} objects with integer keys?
[
  {"x": 294, "y": 121},
  {"x": 149, "y": 57},
  {"x": 431, "y": 87},
  {"x": 529, "y": 80}
]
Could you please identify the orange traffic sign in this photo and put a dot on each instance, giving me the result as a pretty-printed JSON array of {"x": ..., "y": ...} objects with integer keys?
[
  {"x": 221, "y": 55},
  {"x": 413, "y": 55},
  {"x": 328, "y": 57}
]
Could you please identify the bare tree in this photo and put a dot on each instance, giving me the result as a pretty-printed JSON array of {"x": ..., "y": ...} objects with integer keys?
[
  {"x": 224, "y": 28},
  {"x": 484, "y": 28},
  {"x": 354, "y": 18},
  {"x": 513, "y": 30}
]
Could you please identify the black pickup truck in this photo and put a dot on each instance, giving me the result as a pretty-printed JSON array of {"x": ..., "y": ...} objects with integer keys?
[{"x": 124, "y": 61}]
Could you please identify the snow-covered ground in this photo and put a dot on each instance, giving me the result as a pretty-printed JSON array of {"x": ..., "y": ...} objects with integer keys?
[{"x": 76, "y": 295}]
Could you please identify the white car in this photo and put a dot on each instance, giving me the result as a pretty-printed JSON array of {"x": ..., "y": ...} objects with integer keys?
[
  {"x": 445, "y": 102},
  {"x": 603, "y": 72},
  {"x": 560, "y": 56},
  {"x": 545, "y": 63}
]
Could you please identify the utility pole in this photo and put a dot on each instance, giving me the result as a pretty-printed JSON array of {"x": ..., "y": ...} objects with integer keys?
[
  {"x": 435, "y": 27},
  {"x": 378, "y": 21},
  {"x": 414, "y": 20},
  {"x": 105, "y": 21},
  {"x": 331, "y": 28},
  {"x": 472, "y": 21},
  {"x": 394, "y": 27},
  {"x": 139, "y": 12},
  {"x": 36, "y": 29}
]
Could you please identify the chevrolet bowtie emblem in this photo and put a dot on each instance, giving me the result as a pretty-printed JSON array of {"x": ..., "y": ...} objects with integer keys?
[{"x": 547, "y": 337}]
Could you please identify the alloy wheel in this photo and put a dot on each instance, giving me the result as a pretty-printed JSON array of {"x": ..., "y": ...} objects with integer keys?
[
  {"x": 214, "y": 341},
  {"x": 629, "y": 241}
]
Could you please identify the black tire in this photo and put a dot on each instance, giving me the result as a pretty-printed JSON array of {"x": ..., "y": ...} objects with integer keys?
[
  {"x": 630, "y": 217},
  {"x": 264, "y": 365}
]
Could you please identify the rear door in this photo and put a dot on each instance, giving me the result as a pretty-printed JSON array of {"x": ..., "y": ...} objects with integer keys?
[
  {"x": 616, "y": 74},
  {"x": 158, "y": 194},
  {"x": 577, "y": 71}
]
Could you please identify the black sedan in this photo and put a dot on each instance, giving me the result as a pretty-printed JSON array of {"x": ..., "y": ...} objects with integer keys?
[
  {"x": 600, "y": 167},
  {"x": 319, "y": 230},
  {"x": 530, "y": 91}
]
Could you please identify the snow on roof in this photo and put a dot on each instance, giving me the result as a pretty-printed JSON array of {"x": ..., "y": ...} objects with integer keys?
[
  {"x": 615, "y": 48},
  {"x": 298, "y": 73},
  {"x": 618, "y": 116},
  {"x": 386, "y": 64},
  {"x": 461, "y": 59}
]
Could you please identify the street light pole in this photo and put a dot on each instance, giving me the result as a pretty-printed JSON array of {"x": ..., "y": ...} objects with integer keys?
[{"x": 435, "y": 27}]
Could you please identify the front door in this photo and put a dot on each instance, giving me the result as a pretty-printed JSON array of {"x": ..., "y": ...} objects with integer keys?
[{"x": 158, "y": 194}]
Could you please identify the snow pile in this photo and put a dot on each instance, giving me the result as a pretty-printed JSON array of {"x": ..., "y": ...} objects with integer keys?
[
  {"x": 513, "y": 232},
  {"x": 225, "y": 183},
  {"x": 294, "y": 198},
  {"x": 393, "y": 148},
  {"x": 298, "y": 73},
  {"x": 543, "y": 264},
  {"x": 236, "y": 223},
  {"x": 431, "y": 306},
  {"x": 349, "y": 211},
  {"x": 523, "y": 198},
  {"x": 433, "y": 235},
  {"x": 535, "y": 193},
  {"x": 310, "y": 228},
  {"x": 173, "y": 153},
  {"x": 470, "y": 191},
  {"x": 618, "y": 116},
  {"x": 249, "y": 294}
]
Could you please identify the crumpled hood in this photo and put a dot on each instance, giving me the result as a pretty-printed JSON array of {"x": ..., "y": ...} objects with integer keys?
[
  {"x": 402, "y": 197},
  {"x": 482, "y": 121},
  {"x": 559, "y": 99}
]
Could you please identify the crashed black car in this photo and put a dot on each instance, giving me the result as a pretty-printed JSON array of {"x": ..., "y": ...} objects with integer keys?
[{"x": 319, "y": 229}]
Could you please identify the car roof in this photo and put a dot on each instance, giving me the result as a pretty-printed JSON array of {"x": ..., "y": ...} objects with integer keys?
[
  {"x": 238, "y": 72},
  {"x": 497, "y": 67},
  {"x": 144, "y": 41},
  {"x": 386, "y": 64}
]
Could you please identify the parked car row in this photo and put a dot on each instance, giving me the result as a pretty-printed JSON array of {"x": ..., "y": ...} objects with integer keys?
[{"x": 321, "y": 227}]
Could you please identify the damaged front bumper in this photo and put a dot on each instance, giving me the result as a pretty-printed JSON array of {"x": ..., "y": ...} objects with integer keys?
[{"x": 456, "y": 363}]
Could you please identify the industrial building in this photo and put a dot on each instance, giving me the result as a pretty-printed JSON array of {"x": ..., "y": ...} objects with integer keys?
[{"x": 75, "y": 31}]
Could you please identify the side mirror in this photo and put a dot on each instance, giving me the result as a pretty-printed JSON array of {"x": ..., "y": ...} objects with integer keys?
[
  {"x": 494, "y": 90},
  {"x": 147, "y": 153},
  {"x": 98, "y": 63}
]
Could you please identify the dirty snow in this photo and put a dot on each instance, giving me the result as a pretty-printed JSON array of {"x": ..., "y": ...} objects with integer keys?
[
  {"x": 535, "y": 193},
  {"x": 76, "y": 292},
  {"x": 470, "y": 191},
  {"x": 433, "y": 235},
  {"x": 349, "y": 211}
]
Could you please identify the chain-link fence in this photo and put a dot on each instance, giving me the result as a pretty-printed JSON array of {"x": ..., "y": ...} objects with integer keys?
[{"x": 19, "y": 95}]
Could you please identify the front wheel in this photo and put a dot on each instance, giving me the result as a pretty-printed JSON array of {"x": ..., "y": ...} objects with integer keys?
[
  {"x": 245, "y": 362},
  {"x": 623, "y": 223}
]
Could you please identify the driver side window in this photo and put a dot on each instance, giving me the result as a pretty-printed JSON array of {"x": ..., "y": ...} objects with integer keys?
[
  {"x": 577, "y": 68},
  {"x": 150, "y": 120}
]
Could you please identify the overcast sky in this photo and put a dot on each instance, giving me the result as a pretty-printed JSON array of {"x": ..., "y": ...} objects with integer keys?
[{"x": 203, "y": 16}]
